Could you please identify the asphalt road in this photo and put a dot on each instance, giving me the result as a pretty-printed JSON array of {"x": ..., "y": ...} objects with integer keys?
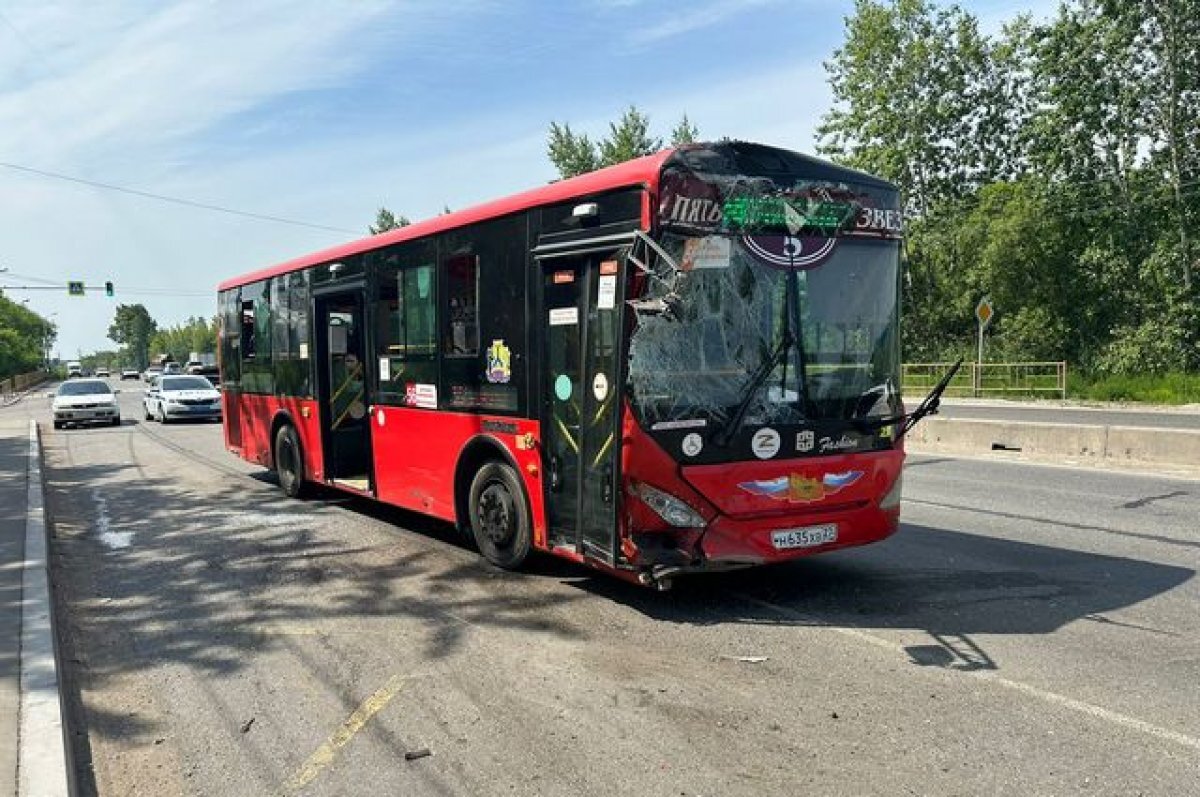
[
  {"x": 1030, "y": 630},
  {"x": 1043, "y": 412}
]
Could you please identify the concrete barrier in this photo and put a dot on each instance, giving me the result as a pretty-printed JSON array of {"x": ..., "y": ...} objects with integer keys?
[{"x": 1117, "y": 446}]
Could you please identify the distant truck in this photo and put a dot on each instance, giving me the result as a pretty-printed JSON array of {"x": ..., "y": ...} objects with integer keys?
[
  {"x": 74, "y": 368},
  {"x": 202, "y": 363}
]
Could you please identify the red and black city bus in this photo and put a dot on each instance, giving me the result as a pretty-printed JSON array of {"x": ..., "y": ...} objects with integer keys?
[{"x": 685, "y": 362}]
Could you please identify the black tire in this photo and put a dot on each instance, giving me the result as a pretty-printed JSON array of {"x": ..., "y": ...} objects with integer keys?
[
  {"x": 145, "y": 411},
  {"x": 116, "y": 421},
  {"x": 289, "y": 462},
  {"x": 162, "y": 416},
  {"x": 500, "y": 517},
  {"x": 58, "y": 424}
]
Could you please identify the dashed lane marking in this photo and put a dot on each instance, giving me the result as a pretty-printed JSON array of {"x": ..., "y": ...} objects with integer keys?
[{"x": 325, "y": 754}]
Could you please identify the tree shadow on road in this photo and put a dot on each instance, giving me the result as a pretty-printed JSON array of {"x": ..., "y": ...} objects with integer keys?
[{"x": 948, "y": 584}]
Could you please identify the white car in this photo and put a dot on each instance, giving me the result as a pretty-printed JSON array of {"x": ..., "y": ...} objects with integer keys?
[
  {"x": 172, "y": 397},
  {"x": 85, "y": 401},
  {"x": 102, "y": 373}
]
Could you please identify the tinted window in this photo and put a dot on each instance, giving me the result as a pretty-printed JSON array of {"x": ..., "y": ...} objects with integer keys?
[
  {"x": 484, "y": 329},
  {"x": 83, "y": 388},
  {"x": 406, "y": 320},
  {"x": 257, "y": 374},
  {"x": 186, "y": 383}
]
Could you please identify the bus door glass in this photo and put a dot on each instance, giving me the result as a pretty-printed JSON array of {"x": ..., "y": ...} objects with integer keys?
[
  {"x": 582, "y": 401},
  {"x": 342, "y": 389}
]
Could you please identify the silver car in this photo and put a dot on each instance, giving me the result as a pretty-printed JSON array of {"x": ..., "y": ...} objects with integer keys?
[
  {"x": 173, "y": 397},
  {"x": 85, "y": 401}
]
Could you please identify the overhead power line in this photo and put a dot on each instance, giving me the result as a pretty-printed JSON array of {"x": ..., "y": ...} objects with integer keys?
[{"x": 176, "y": 200}]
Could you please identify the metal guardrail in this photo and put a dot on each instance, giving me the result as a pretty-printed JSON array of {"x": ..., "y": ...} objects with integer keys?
[
  {"x": 979, "y": 380},
  {"x": 19, "y": 383}
]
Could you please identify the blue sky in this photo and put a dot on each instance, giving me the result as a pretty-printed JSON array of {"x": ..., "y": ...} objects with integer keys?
[{"x": 323, "y": 111}]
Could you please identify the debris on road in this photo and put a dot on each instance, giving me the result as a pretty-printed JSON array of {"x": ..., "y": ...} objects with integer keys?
[
  {"x": 747, "y": 659},
  {"x": 246, "y": 725},
  {"x": 413, "y": 755}
]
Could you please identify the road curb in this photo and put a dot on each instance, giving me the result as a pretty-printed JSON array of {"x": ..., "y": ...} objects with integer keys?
[
  {"x": 1142, "y": 448},
  {"x": 41, "y": 740}
]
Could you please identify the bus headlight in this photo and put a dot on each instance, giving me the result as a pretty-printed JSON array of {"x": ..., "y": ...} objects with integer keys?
[
  {"x": 671, "y": 509},
  {"x": 892, "y": 499}
]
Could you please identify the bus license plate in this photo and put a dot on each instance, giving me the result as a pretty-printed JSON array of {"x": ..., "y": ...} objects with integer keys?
[{"x": 804, "y": 537}]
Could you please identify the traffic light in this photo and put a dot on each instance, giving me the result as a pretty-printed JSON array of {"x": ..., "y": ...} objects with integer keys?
[{"x": 108, "y": 289}]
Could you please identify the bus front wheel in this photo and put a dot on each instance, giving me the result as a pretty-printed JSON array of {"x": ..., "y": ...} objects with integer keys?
[
  {"x": 289, "y": 463},
  {"x": 500, "y": 520}
]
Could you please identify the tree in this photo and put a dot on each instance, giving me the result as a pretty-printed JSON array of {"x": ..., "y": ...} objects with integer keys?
[
  {"x": 914, "y": 102},
  {"x": 385, "y": 220},
  {"x": 571, "y": 154},
  {"x": 132, "y": 327},
  {"x": 25, "y": 337},
  {"x": 629, "y": 137},
  {"x": 684, "y": 133}
]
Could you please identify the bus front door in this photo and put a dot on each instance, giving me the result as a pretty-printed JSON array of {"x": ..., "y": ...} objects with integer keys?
[
  {"x": 581, "y": 402},
  {"x": 342, "y": 387}
]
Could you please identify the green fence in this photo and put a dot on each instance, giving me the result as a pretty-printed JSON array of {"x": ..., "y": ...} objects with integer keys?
[{"x": 982, "y": 380}]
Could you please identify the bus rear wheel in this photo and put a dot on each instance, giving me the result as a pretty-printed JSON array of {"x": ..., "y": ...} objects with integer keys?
[
  {"x": 289, "y": 462},
  {"x": 500, "y": 520}
]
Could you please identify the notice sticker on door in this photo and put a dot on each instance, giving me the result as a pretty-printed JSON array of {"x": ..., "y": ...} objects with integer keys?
[
  {"x": 600, "y": 387},
  {"x": 385, "y": 369},
  {"x": 564, "y": 316},
  {"x": 425, "y": 396},
  {"x": 606, "y": 298}
]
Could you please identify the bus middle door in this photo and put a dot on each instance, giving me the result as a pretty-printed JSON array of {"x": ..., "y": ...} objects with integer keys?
[{"x": 581, "y": 402}]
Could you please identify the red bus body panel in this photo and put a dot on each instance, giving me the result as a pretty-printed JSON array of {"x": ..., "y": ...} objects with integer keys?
[
  {"x": 257, "y": 417},
  {"x": 742, "y": 518},
  {"x": 417, "y": 451}
]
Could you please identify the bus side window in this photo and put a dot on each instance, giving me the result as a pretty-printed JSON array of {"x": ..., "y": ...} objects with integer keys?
[
  {"x": 462, "y": 305},
  {"x": 248, "y": 330}
]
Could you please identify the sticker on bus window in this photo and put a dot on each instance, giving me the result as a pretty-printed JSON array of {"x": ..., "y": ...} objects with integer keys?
[
  {"x": 385, "y": 369},
  {"x": 600, "y": 387},
  {"x": 609, "y": 267},
  {"x": 564, "y": 316},
  {"x": 563, "y": 277},
  {"x": 425, "y": 396},
  {"x": 606, "y": 297},
  {"x": 499, "y": 363},
  {"x": 303, "y": 351},
  {"x": 711, "y": 252},
  {"x": 563, "y": 387}
]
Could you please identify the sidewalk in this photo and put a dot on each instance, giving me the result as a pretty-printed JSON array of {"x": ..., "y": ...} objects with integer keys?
[
  {"x": 32, "y": 746},
  {"x": 14, "y": 448}
]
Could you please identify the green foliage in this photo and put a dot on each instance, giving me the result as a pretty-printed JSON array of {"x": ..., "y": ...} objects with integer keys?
[
  {"x": 574, "y": 153},
  {"x": 132, "y": 328},
  {"x": 25, "y": 337},
  {"x": 1054, "y": 168},
  {"x": 194, "y": 335},
  {"x": 386, "y": 220},
  {"x": 1168, "y": 388}
]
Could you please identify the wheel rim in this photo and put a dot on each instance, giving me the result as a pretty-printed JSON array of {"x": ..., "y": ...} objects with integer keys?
[
  {"x": 287, "y": 462},
  {"x": 497, "y": 514}
]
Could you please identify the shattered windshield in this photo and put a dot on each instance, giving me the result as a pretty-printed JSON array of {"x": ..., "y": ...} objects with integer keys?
[{"x": 830, "y": 351}]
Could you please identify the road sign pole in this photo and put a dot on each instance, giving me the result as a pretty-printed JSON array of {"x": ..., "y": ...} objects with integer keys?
[{"x": 978, "y": 380}]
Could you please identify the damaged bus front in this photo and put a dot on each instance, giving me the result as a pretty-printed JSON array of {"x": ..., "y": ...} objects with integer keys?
[{"x": 763, "y": 363}]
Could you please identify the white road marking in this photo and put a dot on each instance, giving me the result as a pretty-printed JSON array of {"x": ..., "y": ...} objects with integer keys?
[
  {"x": 114, "y": 540},
  {"x": 1090, "y": 709}
]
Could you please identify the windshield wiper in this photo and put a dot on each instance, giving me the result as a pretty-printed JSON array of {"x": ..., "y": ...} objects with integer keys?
[
  {"x": 928, "y": 406},
  {"x": 730, "y": 429}
]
